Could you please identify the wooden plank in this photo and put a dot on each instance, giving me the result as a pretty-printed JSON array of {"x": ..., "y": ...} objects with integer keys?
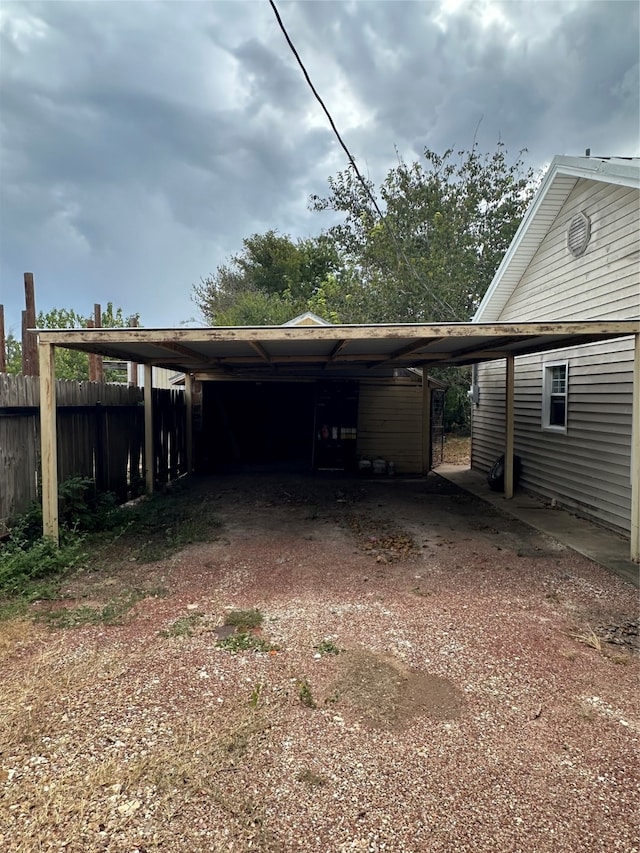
[
  {"x": 610, "y": 328},
  {"x": 509, "y": 426},
  {"x": 261, "y": 351},
  {"x": 149, "y": 458},
  {"x": 48, "y": 444}
]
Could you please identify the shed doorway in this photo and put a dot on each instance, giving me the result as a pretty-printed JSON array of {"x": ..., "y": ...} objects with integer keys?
[{"x": 256, "y": 426}]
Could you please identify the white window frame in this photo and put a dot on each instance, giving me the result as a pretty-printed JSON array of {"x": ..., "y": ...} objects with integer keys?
[{"x": 548, "y": 393}]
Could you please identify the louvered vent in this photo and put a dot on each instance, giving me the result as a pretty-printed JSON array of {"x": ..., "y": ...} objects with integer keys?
[{"x": 578, "y": 234}]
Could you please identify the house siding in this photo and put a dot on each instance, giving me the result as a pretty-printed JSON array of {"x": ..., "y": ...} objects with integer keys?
[
  {"x": 390, "y": 425},
  {"x": 586, "y": 469},
  {"x": 602, "y": 283}
]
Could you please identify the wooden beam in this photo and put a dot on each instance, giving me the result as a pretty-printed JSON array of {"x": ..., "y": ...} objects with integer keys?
[
  {"x": 182, "y": 350},
  {"x": 635, "y": 456},
  {"x": 335, "y": 352},
  {"x": 149, "y": 458},
  {"x": 594, "y": 329},
  {"x": 188, "y": 400},
  {"x": 509, "y": 427},
  {"x": 260, "y": 350},
  {"x": 48, "y": 442},
  {"x": 403, "y": 352}
]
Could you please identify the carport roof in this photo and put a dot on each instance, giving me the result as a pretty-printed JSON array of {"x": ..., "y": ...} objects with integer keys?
[{"x": 332, "y": 350}]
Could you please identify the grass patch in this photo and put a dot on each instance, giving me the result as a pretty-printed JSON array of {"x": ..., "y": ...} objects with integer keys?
[
  {"x": 184, "y": 626},
  {"x": 244, "y": 620},
  {"x": 112, "y": 613},
  {"x": 242, "y": 642}
]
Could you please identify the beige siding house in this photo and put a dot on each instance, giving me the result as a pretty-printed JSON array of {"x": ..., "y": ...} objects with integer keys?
[{"x": 576, "y": 256}]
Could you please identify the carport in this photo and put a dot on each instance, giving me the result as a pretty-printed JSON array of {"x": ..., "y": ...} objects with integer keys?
[{"x": 283, "y": 354}]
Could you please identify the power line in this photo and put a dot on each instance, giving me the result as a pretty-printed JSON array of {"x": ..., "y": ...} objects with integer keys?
[{"x": 399, "y": 249}]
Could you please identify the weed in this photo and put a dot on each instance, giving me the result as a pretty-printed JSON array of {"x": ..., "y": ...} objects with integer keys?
[
  {"x": 242, "y": 642},
  {"x": 255, "y": 695},
  {"x": 183, "y": 627},
  {"x": 587, "y": 638},
  {"x": 304, "y": 694},
  {"x": 32, "y": 570},
  {"x": 327, "y": 647},
  {"x": 111, "y": 613},
  {"x": 244, "y": 620}
]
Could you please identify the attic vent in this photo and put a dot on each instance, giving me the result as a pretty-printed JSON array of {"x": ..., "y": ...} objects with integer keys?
[{"x": 578, "y": 234}]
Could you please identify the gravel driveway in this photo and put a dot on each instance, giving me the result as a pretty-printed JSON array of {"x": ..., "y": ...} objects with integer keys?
[{"x": 410, "y": 671}]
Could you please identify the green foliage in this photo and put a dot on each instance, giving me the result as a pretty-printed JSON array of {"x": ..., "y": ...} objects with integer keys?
[
  {"x": 269, "y": 282},
  {"x": 30, "y": 569},
  {"x": 242, "y": 642},
  {"x": 305, "y": 694},
  {"x": 244, "y": 620},
  {"x": 71, "y": 364},
  {"x": 112, "y": 613},
  {"x": 327, "y": 647},
  {"x": 183, "y": 626},
  {"x": 13, "y": 354},
  {"x": 447, "y": 223}
]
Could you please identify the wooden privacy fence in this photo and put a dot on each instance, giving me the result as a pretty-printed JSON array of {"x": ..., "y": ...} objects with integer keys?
[{"x": 100, "y": 435}]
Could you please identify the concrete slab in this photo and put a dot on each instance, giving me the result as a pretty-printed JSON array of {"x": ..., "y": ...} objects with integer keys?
[{"x": 599, "y": 544}]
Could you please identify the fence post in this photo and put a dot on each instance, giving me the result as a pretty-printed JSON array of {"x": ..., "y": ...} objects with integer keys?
[
  {"x": 30, "y": 366},
  {"x": 149, "y": 457},
  {"x": 3, "y": 343}
]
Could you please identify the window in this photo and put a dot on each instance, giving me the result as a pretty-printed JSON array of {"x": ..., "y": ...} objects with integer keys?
[{"x": 554, "y": 396}]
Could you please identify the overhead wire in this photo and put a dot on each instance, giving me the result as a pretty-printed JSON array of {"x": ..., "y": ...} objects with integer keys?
[{"x": 398, "y": 247}]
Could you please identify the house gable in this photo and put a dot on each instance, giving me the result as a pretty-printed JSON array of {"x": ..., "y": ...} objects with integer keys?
[{"x": 610, "y": 189}]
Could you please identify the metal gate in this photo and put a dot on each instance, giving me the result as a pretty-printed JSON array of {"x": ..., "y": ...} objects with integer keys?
[{"x": 436, "y": 453}]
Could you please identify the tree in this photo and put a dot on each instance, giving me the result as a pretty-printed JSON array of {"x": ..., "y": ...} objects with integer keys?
[
  {"x": 71, "y": 364},
  {"x": 446, "y": 223},
  {"x": 270, "y": 281},
  {"x": 445, "y": 226}
]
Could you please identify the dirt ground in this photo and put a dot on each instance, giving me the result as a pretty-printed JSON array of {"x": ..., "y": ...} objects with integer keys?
[{"x": 425, "y": 675}]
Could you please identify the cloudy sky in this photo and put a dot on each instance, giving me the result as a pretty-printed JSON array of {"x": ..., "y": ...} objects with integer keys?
[{"x": 141, "y": 141}]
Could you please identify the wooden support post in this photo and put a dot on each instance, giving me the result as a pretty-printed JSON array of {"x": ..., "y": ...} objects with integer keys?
[
  {"x": 509, "y": 427},
  {"x": 48, "y": 442},
  {"x": 3, "y": 343},
  {"x": 426, "y": 423},
  {"x": 188, "y": 399},
  {"x": 133, "y": 365},
  {"x": 93, "y": 370},
  {"x": 635, "y": 456},
  {"x": 99, "y": 364},
  {"x": 149, "y": 458},
  {"x": 30, "y": 365}
]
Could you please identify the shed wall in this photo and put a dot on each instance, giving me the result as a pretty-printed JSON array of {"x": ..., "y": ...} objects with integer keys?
[{"x": 390, "y": 425}]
